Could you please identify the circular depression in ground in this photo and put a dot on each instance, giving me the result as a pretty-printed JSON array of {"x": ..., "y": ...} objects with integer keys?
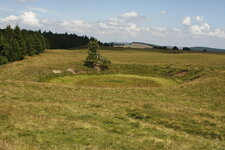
[{"x": 113, "y": 81}]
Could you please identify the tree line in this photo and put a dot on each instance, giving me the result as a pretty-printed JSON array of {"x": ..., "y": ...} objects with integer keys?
[
  {"x": 65, "y": 40},
  {"x": 15, "y": 44}
]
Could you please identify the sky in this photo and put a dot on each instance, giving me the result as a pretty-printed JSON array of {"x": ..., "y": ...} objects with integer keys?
[{"x": 163, "y": 22}]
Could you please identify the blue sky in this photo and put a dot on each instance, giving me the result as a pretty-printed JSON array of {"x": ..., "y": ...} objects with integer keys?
[{"x": 164, "y": 22}]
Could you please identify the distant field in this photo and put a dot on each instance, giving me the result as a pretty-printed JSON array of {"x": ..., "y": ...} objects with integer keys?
[
  {"x": 136, "y": 45},
  {"x": 148, "y": 99}
]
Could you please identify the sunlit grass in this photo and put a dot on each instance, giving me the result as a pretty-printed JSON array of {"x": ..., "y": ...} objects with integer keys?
[
  {"x": 113, "y": 80},
  {"x": 36, "y": 114}
]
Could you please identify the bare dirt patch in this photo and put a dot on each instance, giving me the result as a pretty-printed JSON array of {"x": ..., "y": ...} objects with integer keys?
[
  {"x": 71, "y": 71},
  {"x": 182, "y": 73},
  {"x": 74, "y": 71},
  {"x": 57, "y": 71}
]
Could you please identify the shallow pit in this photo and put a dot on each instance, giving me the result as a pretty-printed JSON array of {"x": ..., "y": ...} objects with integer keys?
[{"x": 113, "y": 81}]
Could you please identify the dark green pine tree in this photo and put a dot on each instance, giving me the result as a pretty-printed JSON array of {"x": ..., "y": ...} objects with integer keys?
[
  {"x": 16, "y": 43},
  {"x": 94, "y": 58},
  {"x": 21, "y": 41},
  {"x": 37, "y": 44},
  {"x": 3, "y": 58},
  {"x": 46, "y": 43},
  {"x": 1, "y": 44},
  {"x": 42, "y": 41},
  {"x": 11, "y": 45},
  {"x": 39, "y": 36},
  {"x": 29, "y": 43}
]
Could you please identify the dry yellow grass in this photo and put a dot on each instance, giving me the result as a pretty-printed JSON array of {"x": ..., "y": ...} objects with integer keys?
[{"x": 41, "y": 115}]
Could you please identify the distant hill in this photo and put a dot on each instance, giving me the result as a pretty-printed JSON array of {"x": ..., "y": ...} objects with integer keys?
[
  {"x": 152, "y": 45},
  {"x": 208, "y": 49},
  {"x": 134, "y": 45},
  {"x": 116, "y": 44},
  {"x": 142, "y": 45}
]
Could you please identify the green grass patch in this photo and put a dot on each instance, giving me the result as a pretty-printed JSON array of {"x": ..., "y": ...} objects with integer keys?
[{"x": 113, "y": 80}]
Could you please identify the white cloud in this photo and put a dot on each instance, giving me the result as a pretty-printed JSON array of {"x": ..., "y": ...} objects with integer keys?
[
  {"x": 199, "y": 19},
  {"x": 186, "y": 21},
  {"x": 130, "y": 14},
  {"x": 104, "y": 25},
  {"x": 122, "y": 29},
  {"x": 176, "y": 30},
  {"x": 203, "y": 29},
  {"x": 159, "y": 29},
  {"x": 76, "y": 23},
  {"x": 121, "y": 26},
  {"x": 218, "y": 33},
  {"x": 163, "y": 12},
  {"x": 114, "y": 21},
  {"x": 200, "y": 28},
  {"x": 131, "y": 27},
  {"x": 27, "y": 19},
  {"x": 9, "y": 18},
  {"x": 131, "y": 17}
]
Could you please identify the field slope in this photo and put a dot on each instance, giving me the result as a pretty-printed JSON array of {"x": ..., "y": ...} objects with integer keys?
[{"x": 39, "y": 112}]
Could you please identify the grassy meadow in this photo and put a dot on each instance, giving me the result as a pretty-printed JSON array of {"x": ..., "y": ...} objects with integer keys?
[{"x": 148, "y": 99}]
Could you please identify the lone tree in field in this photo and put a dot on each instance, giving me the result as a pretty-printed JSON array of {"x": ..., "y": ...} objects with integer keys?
[
  {"x": 175, "y": 48},
  {"x": 94, "y": 59}
]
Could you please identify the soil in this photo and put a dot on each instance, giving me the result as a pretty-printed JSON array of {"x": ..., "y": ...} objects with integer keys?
[{"x": 182, "y": 73}]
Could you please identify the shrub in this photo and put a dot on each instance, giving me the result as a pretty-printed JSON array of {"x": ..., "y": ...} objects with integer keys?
[
  {"x": 186, "y": 49},
  {"x": 94, "y": 59},
  {"x": 3, "y": 60},
  {"x": 175, "y": 48}
]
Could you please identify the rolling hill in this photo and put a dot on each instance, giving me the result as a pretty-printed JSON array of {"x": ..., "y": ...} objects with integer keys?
[
  {"x": 207, "y": 49},
  {"x": 138, "y": 45},
  {"x": 141, "y": 45}
]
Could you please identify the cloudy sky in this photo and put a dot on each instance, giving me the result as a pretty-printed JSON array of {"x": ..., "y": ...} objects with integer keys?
[{"x": 163, "y": 22}]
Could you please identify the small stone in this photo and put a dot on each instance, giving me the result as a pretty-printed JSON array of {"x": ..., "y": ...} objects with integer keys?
[
  {"x": 57, "y": 71},
  {"x": 71, "y": 70}
]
